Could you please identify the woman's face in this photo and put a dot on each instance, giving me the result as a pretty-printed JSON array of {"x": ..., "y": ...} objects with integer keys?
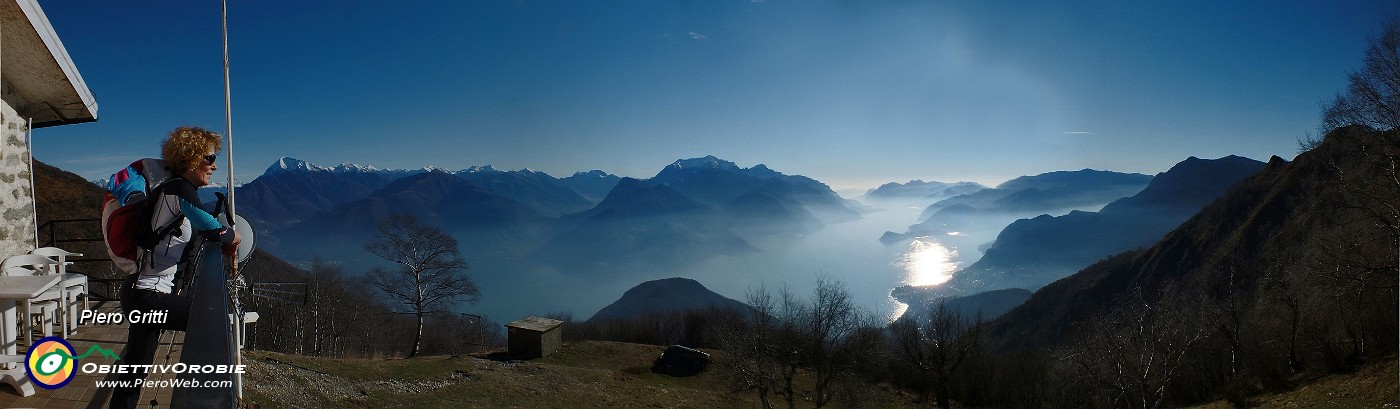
[{"x": 204, "y": 172}]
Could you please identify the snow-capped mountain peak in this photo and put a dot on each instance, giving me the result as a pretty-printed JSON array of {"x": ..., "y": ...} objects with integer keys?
[
  {"x": 707, "y": 162},
  {"x": 592, "y": 174},
  {"x": 351, "y": 167},
  {"x": 478, "y": 169},
  {"x": 288, "y": 164}
]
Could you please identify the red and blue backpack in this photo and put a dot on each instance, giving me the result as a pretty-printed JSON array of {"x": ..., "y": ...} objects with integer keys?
[{"x": 127, "y": 210}]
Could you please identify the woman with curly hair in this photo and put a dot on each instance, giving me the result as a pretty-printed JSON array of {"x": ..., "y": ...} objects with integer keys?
[{"x": 189, "y": 154}]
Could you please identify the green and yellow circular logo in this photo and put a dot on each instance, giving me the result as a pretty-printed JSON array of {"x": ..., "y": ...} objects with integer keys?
[{"x": 50, "y": 363}]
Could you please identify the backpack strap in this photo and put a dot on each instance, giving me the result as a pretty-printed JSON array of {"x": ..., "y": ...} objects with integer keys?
[{"x": 171, "y": 228}]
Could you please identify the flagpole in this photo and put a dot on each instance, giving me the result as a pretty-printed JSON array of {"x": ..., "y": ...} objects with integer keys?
[
  {"x": 228, "y": 116},
  {"x": 229, "y": 188}
]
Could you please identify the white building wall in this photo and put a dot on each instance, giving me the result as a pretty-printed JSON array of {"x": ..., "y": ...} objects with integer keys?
[{"x": 17, "y": 215}]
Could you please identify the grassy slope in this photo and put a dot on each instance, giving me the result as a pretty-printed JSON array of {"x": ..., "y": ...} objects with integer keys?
[
  {"x": 587, "y": 374},
  {"x": 1372, "y": 387}
]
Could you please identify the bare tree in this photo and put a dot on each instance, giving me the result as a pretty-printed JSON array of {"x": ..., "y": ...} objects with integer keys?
[
  {"x": 1133, "y": 353},
  {"x": 457, "y": 334},
  {"x": 788, "y": 336},
  {"x": 1371, "y": 103},
  {"x": 1360, "y": 203},
  {"x": 332, "y": 315},
  {"x": 762, "y": 349},
  {"x": 836, "y": 346},
  {"x": 938, "y": 346},
  {"x": 1373, "y": 94},
  {"x": 431, "y": 274}
]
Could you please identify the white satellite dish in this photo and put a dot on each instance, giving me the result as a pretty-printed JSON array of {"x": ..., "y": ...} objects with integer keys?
[{"x": 245, "y": 234}]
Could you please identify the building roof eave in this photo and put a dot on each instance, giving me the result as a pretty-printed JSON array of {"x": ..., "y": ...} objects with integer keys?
[{"x": 38, "y": 68}]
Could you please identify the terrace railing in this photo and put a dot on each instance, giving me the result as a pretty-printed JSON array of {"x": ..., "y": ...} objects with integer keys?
[
  {"x": 209, "y": 339},
  {"x": 89, "y": 264}
]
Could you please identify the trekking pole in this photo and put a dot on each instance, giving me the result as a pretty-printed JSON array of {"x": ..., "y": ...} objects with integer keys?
[{"x": 181, "y": 289}]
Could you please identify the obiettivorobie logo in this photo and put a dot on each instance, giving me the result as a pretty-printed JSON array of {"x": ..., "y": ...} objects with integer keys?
[{"x": 51, "y": 363}]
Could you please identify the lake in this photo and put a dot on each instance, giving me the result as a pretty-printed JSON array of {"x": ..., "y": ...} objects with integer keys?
[{"x": 848, "y": 252}]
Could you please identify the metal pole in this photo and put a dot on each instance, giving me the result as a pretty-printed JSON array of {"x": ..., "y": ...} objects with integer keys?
[
  {"x": 228, "y": 130},
  {"x": 228, "y": 115},
  {"x": 33, "y": 189}
]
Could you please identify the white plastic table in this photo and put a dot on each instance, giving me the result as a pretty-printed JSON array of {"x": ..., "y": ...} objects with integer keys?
[{"x": 14, "y": 289}]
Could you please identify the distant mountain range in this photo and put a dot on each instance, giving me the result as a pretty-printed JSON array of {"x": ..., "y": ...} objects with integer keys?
[
  {"x": 1031, "y": 253},
  {"x": 973, "y": 214},
  {"x": 1053, "y": 190},
  {"x": 918, "y": 189},
  {"x": 692, "y": 209},
  {"x": 291, "y": 190},
  {"x": 484, "y": 221},
  {"x": 664, "y": 296},
  {"x": 592, "y": 185}
]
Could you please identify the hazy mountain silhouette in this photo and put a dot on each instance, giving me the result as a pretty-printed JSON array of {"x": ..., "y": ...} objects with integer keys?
[
  {"x": 985, "y": 212},
  {"x": 483, "y": 220},
  {"x": 1291, "y": 227},
  {"x": 663, "y": 296},
  {"x": 716, "y": 183},
  {"x": 593, "y": 185},
  {"x": 691, "y": 210},
  {"x": 291, "y": 191},
  {"x": 538, "y": 190},
  {"x": 754, "y": 213},
  {"x": 918, "y": 189},
  {"x": 1031, "y": 253},
  {"x": 639, "y": 225},
  {"x": 311, "y": 197}
]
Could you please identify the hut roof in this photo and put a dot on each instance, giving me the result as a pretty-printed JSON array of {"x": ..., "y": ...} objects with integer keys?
[
  {"x": 536, "y": 324},
  {"x": 37, "y": 68}
]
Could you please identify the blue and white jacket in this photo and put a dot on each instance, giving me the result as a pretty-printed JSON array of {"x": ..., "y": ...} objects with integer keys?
[{"x": 178, "y": 197}]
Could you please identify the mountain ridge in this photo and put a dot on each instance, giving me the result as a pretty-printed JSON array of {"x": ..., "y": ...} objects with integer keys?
[
  {"x": 1277, "y": 229},
  {"x": 1030, "y": 253},
  {"x": 662, "y": 296}
]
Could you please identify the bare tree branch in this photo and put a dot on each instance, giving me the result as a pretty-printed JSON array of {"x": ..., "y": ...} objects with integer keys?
[{"x": 431, "y": 277}]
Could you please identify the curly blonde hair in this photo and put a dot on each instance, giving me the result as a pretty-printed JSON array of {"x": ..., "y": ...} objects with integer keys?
[{"x": 184, "y": 150}]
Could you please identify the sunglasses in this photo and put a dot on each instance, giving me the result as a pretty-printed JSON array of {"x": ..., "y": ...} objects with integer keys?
[{"x": 210, "y": 159}]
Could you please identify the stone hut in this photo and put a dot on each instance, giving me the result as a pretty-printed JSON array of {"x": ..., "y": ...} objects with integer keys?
[
  {"x": 39, "y": 85},
  {"x": 534, "y": 337}
]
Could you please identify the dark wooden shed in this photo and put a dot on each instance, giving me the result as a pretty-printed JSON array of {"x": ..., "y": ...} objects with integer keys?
[{"x": 534, "y": 337}]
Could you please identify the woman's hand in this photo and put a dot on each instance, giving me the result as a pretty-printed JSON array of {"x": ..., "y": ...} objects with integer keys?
[{"x": 231, "y": 249}]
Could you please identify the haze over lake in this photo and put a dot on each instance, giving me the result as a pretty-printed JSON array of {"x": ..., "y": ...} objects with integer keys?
[{"x": 849, "y": 252}]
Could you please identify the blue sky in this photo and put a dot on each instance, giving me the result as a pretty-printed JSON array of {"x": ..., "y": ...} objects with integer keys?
[{"x": 852, "y": 93}]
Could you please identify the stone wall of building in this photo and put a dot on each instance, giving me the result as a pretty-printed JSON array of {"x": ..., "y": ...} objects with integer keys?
[{"x": 16, "y": 191}]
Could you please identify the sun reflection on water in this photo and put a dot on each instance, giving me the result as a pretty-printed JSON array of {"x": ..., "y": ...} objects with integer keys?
[
  {"x": 927, "y": 263},
  {"x": 899, "y": 309}
]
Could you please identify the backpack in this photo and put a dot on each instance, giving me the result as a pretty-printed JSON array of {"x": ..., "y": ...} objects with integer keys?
[{"x": 126, "y": 213}]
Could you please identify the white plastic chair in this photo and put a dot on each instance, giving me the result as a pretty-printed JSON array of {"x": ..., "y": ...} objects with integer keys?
[
  {"x": 34, "y": 264},
  {"x": 73, "y": 285}
]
